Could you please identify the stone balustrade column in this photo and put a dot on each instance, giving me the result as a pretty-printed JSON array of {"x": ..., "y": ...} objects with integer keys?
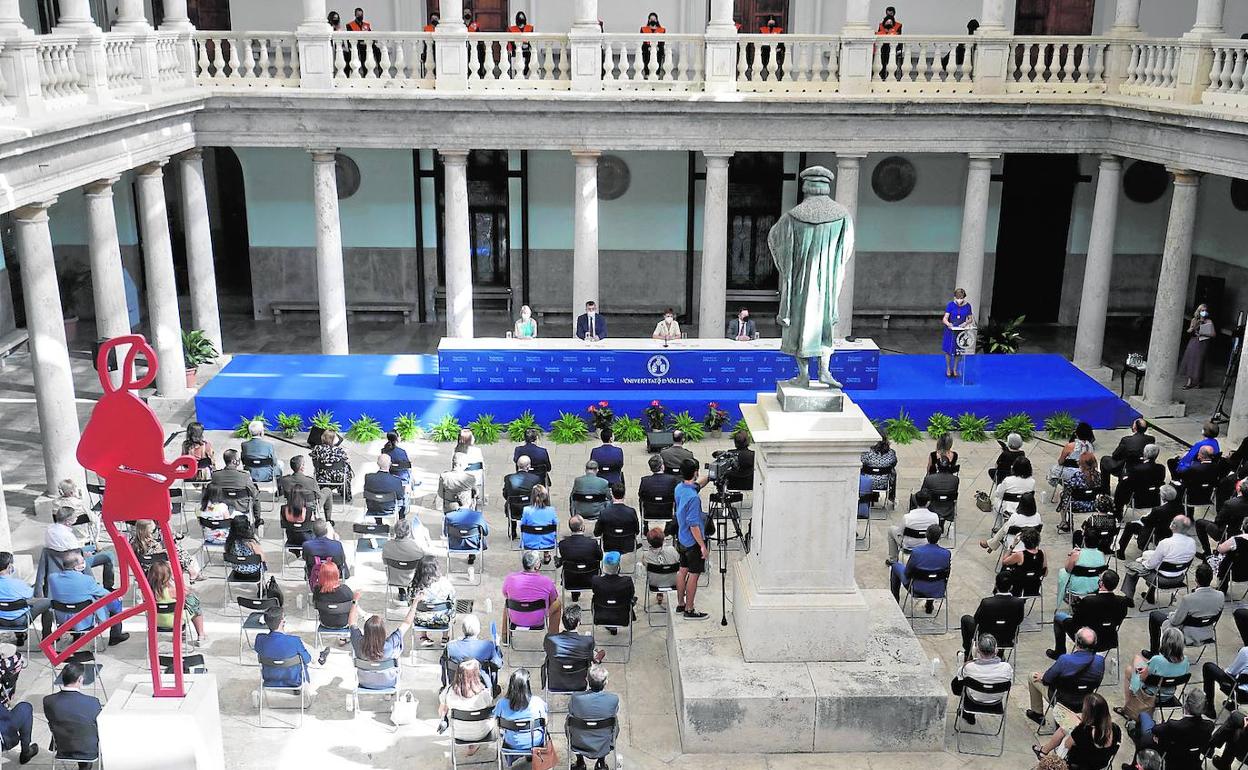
[
  {"x": 162, "y": 290},
  {"x": 858, "y": 17},
  {"x": 1196, "y": 58},
  {"x": 721, "y": 49},
  {"x": 1126, "y": 18},
  {"x": 1209, "y": 19},
  {"x": 331, "y": 288},
  {"x": 176, "y": 17},
  {"x": 848, "y": 170},
  {"x": 316, "y": 52},
  {"x": 713, "y": 292},
  {"x": 585, "y": 41},
  {"x": 201, "y": 266},
  {"x": 857, "y": 48},
  {"x": 458, "y": 247},
  {"x": 585, "y": 232},
  {"x": 992, "y": 17},
  {"x": 1169, "y": 308},
  {"x": 19, "y": 60},
  {"x": 75, "y": 14},
  {"x": 75, "y": 20},
  {"x": 970, "y": 275},
  {"x": 450, "y": 41},
  {"x": 1094, "y": 302},
  {"x": 45, "y": 321},
  {"x": 108, "y": 277},
  {"x": 130, "y": 12},
  {"x": 11, "y": 15}
]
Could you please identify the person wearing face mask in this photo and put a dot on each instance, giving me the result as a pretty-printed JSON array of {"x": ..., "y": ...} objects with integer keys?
[
  {"x": 741, "y": 328},
  {"x": 889, "y": 27},
  {"x": 590, "y": 326},
  {"x": 526, "y": 326},
  {"x": 652, "y": 27},
  {"x": 335, "y": 21},
  {"x": 470, "y": 23},
  {"x": 958, "y": 315},
  {"x": 1200, "y": 331},
  {"x": 522, "y": 25},
  {"x": 890, "y": 14},
  {"x": 667, "y": 329},
  {"x": 358, "y": 24},
  {"x": 772, "y": 27}
]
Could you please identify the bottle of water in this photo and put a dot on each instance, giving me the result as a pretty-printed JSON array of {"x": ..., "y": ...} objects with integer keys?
[{"x": 936, "y": 667}]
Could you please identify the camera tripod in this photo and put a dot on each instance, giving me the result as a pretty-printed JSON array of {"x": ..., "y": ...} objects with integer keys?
[
  {"x": 722, "y": 514},
  {"x": 1232, "y": 368}
]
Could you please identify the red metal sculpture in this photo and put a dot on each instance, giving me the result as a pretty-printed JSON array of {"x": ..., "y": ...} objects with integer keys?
[{"x": 124, "y": 444}]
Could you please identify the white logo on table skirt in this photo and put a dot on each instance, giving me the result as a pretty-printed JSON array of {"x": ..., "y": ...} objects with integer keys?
[{"x": 658, "y": 366}]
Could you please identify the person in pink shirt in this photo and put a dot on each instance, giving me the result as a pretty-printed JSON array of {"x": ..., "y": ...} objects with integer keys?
[{"x": 529, "y": 585}]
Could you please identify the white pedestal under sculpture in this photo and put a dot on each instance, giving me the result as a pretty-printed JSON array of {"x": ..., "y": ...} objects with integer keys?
[{"x": 139, "y": 732}]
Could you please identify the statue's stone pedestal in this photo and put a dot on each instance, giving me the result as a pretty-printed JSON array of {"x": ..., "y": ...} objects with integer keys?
[{"x": 140, "y": 732}]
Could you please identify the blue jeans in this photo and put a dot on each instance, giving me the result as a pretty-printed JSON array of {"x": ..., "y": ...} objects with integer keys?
[{"x": 1146, "y": 730}]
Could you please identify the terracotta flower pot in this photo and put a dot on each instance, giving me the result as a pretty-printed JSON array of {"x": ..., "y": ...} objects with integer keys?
[{"x": 190, "y": 377}]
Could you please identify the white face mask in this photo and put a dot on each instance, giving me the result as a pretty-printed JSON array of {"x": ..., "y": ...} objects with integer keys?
[
  {"x": 1204, "y": 314},
  {"x": 667, "y": 318}
]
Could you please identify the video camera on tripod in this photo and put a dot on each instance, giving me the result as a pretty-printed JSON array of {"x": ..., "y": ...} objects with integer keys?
[{"x": 723, "y": 464}]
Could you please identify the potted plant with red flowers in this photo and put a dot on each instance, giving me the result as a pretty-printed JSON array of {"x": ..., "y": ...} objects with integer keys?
[
  {"x": 656, "y": 416},
  {"x": 715, "y": 418},
  {"x": 600, "y": 415}
]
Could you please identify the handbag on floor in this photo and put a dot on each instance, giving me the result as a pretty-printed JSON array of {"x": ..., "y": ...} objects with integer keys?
[
  {"x": 403, "y": 712},
  {"x": 545, "y": 757},
  {"x": 983, "y": 502}
]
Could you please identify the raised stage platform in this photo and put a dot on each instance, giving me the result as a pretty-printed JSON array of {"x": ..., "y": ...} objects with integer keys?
[{"x": 386, "y": 386}]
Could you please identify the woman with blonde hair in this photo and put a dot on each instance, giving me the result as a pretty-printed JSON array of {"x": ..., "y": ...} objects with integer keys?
[
  {"x": 469, "y": 458},
  {"x": 468, "y": 691},
  {"x": 526, "y": 325},
  {"x": 146, "y": 542},
  {"x": 160, "y": 576}
]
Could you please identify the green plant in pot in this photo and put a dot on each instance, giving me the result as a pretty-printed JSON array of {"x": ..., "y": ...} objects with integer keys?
[
  {"x": 70, "y": 282},
  {"x": 290, "y": 424},
  {"x": 198, "y": 350}
]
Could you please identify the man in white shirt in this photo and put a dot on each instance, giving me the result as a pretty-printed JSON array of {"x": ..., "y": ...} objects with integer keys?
[
  {"x": 1179, "y": 548},
  {"x": 60, "y": 538},
  {"x": 1225, "y": 680},
  {"x": 986, "y": 668},
  {"x": 917, "y": 520},
  {"x": 667, "y": 329}
]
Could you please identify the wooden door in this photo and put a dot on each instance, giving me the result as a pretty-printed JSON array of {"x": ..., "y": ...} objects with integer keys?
[
  {"x": 490, "y": 14},
  {"x": 752, "y": 14},
  {"x": 1054, "y": 17}
]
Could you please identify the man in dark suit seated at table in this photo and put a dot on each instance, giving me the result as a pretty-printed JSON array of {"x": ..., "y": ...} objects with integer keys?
[
  {"x": 233, "y": 478},
  {"x": 591, "y": 325},
  {"x": 741, "y": 328},
  {"x": 384, "y": 482},
  {"x": 71, "y": 716},
  {"x": 1129, "y": 450},
  {"x": 537, "y": 455},
  {"x": 610, "y": 456}
]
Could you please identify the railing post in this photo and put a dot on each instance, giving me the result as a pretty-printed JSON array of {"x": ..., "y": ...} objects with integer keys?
[
  {"x": 131, "y": 21},
  {"x": 450, "y": 42},
  {"x": 857, "y": 55},
  {"x": 721, "y": 49},
  {"x": 19, "y": 61},
  {"x": 316, "y": 50},
  {"x": 585, "y": 42},
  {"x": 177, "y": 20},
  {"x": 1196, "y": 54},
  {"x": 992, "y": 57},
  {"x": 76, "y": 22}
]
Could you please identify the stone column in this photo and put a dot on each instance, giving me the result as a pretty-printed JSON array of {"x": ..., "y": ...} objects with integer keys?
[
  {"x": 585, "y": 40},
  {"x": 54, "y": 381},
  {"x": 130, "y": 13},
  {"x": 970, "y": 274},
  {"x": 992, "y": 17},
  {"x": 89, "y": 56},
  {"x": 1094, "y": 302},
  {"x": 162, "y": 292},
  {"x": 200, "y": 263},
  {"x": 1126, "y": 18},
  {"x": 177, "y": 19},
  {"x": 585, "y": 238},
  {"x": 76, "y": 14},
  {"x": 714, "y": 283},
  {"x": 451, "y": 46},
  {"x": 316, "y": 53},
  {"x": 1168, "y": 310},
  {"x": 19, "y": 60},
  {"x": 721, "y": 49},
  {"x": 1238, "y": 428},
  {"x": 112, "y": 317},
  {"x": 331, "y": 288},
  {"x": 1209, "y": 14},
  {"x": 858, "y": 17},
  {"x": 848, "y": 167},
  {"x": 458, "y": 246}
]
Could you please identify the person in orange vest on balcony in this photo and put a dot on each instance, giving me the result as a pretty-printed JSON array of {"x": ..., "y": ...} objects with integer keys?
[
  {"x": 358, "y": 24},
  {"x": 522, "y": 25},
  {"x": 772, "y": 27},
  {"x": 652, "y": 27},
  {"x": 890, "y": 26},
  {"x": 892, "y": 29},
  {"x": 470, "y": 23},
  {"x": 434, "y": 20}
]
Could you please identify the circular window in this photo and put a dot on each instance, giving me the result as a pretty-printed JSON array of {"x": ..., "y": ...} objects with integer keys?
[
  {"x": 1145, "y": 182},
  {"x": 894, "y": 179},
  {"x": 614, "y": 177},
  {"x": 348, "y": 175}
]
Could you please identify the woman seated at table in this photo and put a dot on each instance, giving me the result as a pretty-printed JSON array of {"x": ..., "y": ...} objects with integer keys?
[
  {"x": 526, "y": 325},
  {"x": 668, "y": 328}
]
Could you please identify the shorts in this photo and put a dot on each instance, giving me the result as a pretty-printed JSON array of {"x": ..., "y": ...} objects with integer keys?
[{"x": 691, "y": 558}]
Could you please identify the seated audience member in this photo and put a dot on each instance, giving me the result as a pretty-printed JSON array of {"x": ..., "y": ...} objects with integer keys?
[
  {"x": 1205, "y": 473},
  {"x": 617, "y": 516},
  {"x": 578, "y": 547},
  {"x": 373, "y": 643},
  {"x": 986, "y": 667},
  {"x": 591, "y": 325},
  {"x": 383, "y": 482},
  {"x": 1145, "y": 759},
  {"x": 529, "y": 585},
  {"x": 539, "y": 457},
  {"x": 88, "y": 524},
  {"x": 409, "y": 541},
  {"x": 1139, "y": 476},
  {"x": 1019, "y": 482},
  {"x": 668, "y": 328},
  {"x": 589, "y": 484},
  {"x": 517, "y": 487},
  {"x": 917, "y": 520},
  {"x": 75, "y": 584},
  {"x": 928, "y": 557},
  {"x": 539, "y": 513},
  {"x": 569, "y": 645},
  {"x": 400, "y": 463},
  {"x": 596, "y": 704},
  {"x": 1178, "y": 549},
  {"x": 942, "y": 459},
  {"x": 742, "y": 328},
  {"x": 1094, "y": 610},
  {"x": 298, "y": 482},
  {"x": 468, "y": 691},
  {"x": 865, "y": 494},
  {"x": 1023, "y": 561},
  {"x": 1011, "y": 452},
  {"x": 1130, "y": 450},
  {"x": 1228, "y": 522},
  {"x": 467, "y": 455},
  {"x": 1024, "y": 516},
  {"x": 1083, "y": 666},
  {"x": 60, "y": 539},
  {"x": 1169, "y": 660},
  {"x": 434, "y": 596},
  {"x": 1183, "y": 741},
  {"x": 609, "y": 456},
  {"x": 1209, "y": 433},
  {"x": 676, "y": 454},
  {"x": 659, "y": 553},
  {"x": 743, "y": 477},
  {"x": 322, "y": 547},
  {"x": 232, "y": 478},
  {"x": 998, "y": 615},
  {"x": 16, "y": 724},
  {"x": 332, "y": 466},
  {"x": 146, "y": 542},
  {"x": 520, "y": 704},
  {"x": 1203, "y": 602},
  {"x": 457, "y": 488},
  {"x": 160, "y": 577},
  {"x": 1224, "y": 679},
  {"x": 611, "y": 585},
  {"x": 256, "y": 448},
  {"x": 72, "y": 716},
  {"x": 13, "y": 588},
  {"x": 1093, "y": 741},
  {"x": 1151, "y": 526},
  {"x": 1229, "y": 550},
  {"x": 1085, "y": 477},
  {"x": 469, "y": 646},
  {"x": 1083, "y": 442},
  {"x": 658, "y": 484},
  {"x": 526, "y": 325},
  {"x": 199, "y": 448},
  {"x": 333, "y": 599},
  {"x": 242, "y": 542},
  {"x": 941, "y": 484},
  {"x": 276, "y": 644},
  {"x": 465, "y": 529},
  {"x": 1088, "y": 555}
]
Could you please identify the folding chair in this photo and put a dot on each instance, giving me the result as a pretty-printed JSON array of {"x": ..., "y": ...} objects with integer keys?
[
  {"x": 1236, "y": 573},
  {"x": 1072, "y": 495},
  {"x": 530, "y": 726},
  {"x": 206, "y": 525},
  {"x": 479, "y": 715},
  {"x": 1030, "y": 586},
  {"x": 25, "y": 624},
  {"x": 233, "y": 561},
  {"x": 145, "y": 565},
  {"x": 1199, "y": 496},
  {"x": 653, "y": 570},
  {"x": 999, "y": 515},
  {"x": 251, "y": 612},
  {"x": 466, "y": 534},
  {"x": 909, "y": 602},
  {"x": 514, "y": 606},
  {"x": 71, "y": 609},
  {"x": 375, "y": 666},
  {"x": 1106, "y": 642},
  {"x": 260, "y": 698},
  {"x": 890, "y": 497},
  {"x": 292, "y": 553},
  {"x": 1158, "y": 582},
  {"x": 968, "y": 705},
  {"x": 379, "y": 505},
  {"x": 1177, "y": 685},
  {"x": 1004, "y": 632},
  {"x": 92, "y": 673},
  {"x": 435, "y": 628},
  {"x": 582, "y": 726},
  {"x": 1080, "y": 570},
  {"x": 1144, "y": 499},
  {"x": 324, "y": 608},
  {"x": 862, "y": 537},
  {"x": 657, "y": 508},
  {"x": 612, "y": 613},
  {"x": 538, "y": 530},
  {"x": 575, "y": 577},
  {"x": 367, "y": 532},
  {"x": 237, "y": 500},
  {"x": 1210, "y": 622},
  {"x": 268, "y": 489},
  {"x": 622, "y": 541},
  {"x": 565, "y": 676},
  {"x": 514, "y": 506},
  {"x": 191, "y": 664},
  {"x": 330, "y": 471},
  {"x": 1071, "y": 694},
  {"x": 177, "y": 508},
  {"x": 587, "y": 499},
  {"x": 396, "y": 565},
  {"x": 945, "y": 505}
]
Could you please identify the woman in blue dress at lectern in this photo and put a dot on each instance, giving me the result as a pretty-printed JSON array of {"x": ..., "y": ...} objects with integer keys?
[{"x": 957, "y": 314}]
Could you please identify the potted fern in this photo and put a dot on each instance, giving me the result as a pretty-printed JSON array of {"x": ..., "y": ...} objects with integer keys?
[{"x": 198, "y": 350}]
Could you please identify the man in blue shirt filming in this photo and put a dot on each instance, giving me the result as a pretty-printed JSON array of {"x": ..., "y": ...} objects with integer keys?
[{"x": 690, "y": 538}]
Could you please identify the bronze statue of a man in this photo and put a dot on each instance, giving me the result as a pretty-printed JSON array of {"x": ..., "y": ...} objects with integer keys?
[{"x": 811, "y": 246}]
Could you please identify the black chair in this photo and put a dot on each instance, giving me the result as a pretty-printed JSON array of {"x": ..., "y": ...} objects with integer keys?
[
  {"x": 661, "y": 508},
  {"x": 1029, "y": 585},
  {"x": 1198, "y": 496},
  {"x": 909, "y": 602},
  {"x": 282, "y": 664},
  {"x": 371, "y": 532},
  {"x": 613, "y": 613},
  {"x": 251, "y": 610},
  {"x": 458, "y": 716},
  {"x": 577, "y": 576},
  {"x": 191, "y": 664},
  {"x": 1206, "y": 621},
  {"x": 968, "y": 705},
  {"x": 515, "y": 505},
  {"x": 651, "y": 571},
  {"x": 25, "y": 624},
  {"x": 514, "y": 606},
  {"x": 891, "y": 489},
  {"x": 1176, "y": 685},
  {"x": 565, "y": 676},
  {"x": 397, "y": 565},
  {"x": 530, "y": 726},
  {"x": 620, "y": 540},
  {"x": 1158, "y": 582},
  {"x": 379, "y": 505},
  {"x": 1146, "y": 498},
  {"x": 580, "y": 727},
  {"x": 588, "y": 499},
  {"x": 1070, "y": 695},
  {"x": 1080, "y": 570}
]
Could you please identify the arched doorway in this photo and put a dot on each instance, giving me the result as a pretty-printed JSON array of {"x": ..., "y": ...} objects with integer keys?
[{"x": 227, "y": 207}]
